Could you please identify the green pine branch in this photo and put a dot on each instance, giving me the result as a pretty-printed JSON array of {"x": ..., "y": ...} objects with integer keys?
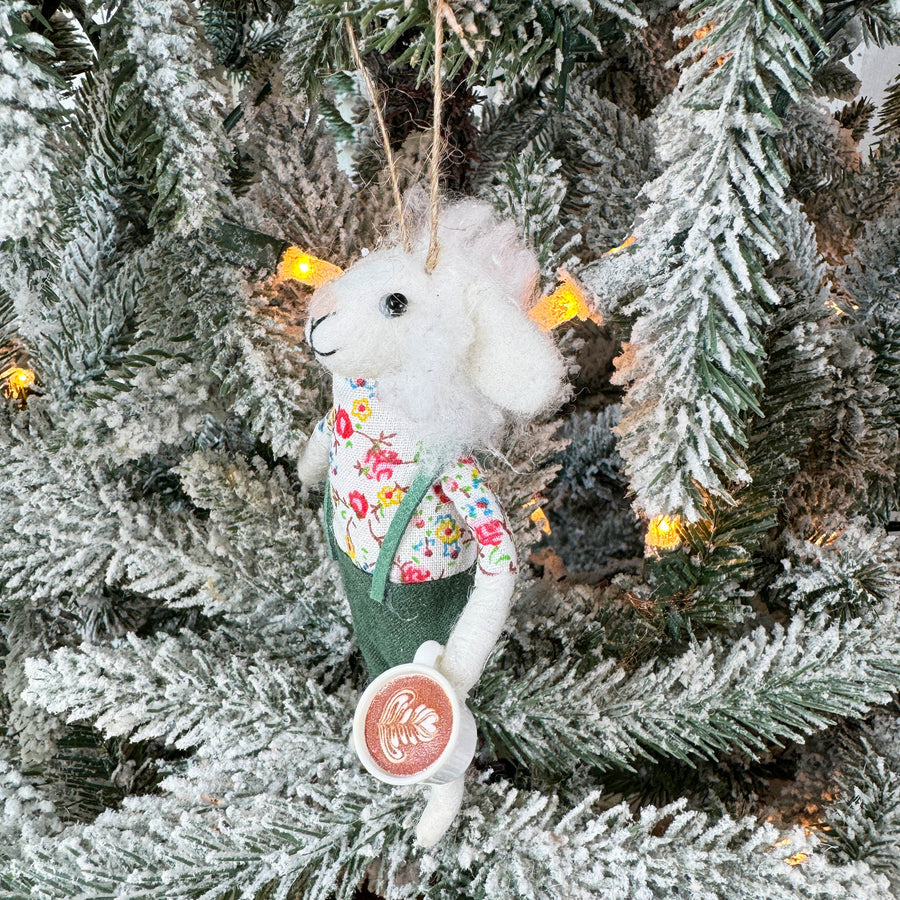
[
  {"x": 730, "y": 555},
  {"x": 32, "y": 110},
  {"x": 257, "y": 550},
  {"x": 864, "y": 822},
  {"x": 502, "y": 41},
  {"x": 244, "y": 813},
  {"x": 8, "y": 350},
  {"x": 694, "y": 369},
  {"x": 530, "y": 189},
  {"x": 514, "y": 844},
  {"x": 889, "y": 117},
  {"x": 175, "y": 689},
  {"x": 762, "y": 689}
]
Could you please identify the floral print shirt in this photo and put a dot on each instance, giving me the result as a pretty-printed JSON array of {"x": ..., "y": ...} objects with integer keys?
[{"x": 373, "y": 460}]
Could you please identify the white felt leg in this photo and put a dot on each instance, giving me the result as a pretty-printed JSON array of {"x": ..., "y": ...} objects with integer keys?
[
  {"x": 475, "y": 633},
  {"x": 440, "y": 811}
]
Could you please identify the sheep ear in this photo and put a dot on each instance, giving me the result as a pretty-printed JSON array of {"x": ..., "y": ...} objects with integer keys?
[{"x": 513, "y": 363}]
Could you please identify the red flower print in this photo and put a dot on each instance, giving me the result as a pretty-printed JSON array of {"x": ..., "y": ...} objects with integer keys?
[
  {"x": 382, "y": 463},
  {"x": 410, "y": 573},
  {"x": 342, "y": 424},
  {"x": 439, "y": 493},
  {"x": 467, "y": 460},
  {"x": 360, "y": 382},
  {"x": 358, "y": 503},
  {"x": 489, "y": 533}
]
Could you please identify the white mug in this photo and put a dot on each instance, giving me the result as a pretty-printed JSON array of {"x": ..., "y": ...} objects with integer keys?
[{"x": 411, "y": 728}]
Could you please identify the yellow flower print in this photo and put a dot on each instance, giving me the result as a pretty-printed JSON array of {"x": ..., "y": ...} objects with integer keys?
[
  {"x": 361, "y": 409},
  {"x": 391, "y": 495},
  {"x": 446, "y": 530}
]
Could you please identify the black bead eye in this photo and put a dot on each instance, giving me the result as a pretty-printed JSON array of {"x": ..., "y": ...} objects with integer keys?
[{"x": 393, "y": 305}]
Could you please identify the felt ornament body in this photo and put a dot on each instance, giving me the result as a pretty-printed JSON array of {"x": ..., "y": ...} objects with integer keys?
[{"x": 426, "y": 366}]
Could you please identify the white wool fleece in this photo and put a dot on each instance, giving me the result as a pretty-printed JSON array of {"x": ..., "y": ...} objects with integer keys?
[{"x": 462, "y": 353}]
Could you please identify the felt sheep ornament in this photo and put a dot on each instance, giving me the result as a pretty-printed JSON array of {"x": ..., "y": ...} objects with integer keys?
[{"x": 426, "y": 367}]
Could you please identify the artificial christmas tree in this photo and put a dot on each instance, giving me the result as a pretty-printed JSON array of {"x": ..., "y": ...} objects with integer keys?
[{"x": 701, "y": 708}]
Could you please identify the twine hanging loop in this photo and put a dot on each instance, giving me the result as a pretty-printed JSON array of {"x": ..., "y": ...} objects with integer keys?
[
  {"x": 375, "y": 97},
  {"x": 434, "y": 199},
  {"x": 441, "y": 13}
]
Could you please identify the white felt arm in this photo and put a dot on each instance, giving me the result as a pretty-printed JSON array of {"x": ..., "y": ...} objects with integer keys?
[
  {"x": 477, "y": 629},
  {"x": 314, "y": 462}
]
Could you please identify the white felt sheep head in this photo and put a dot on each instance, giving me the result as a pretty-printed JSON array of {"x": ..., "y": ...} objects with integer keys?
[{"x": 452, "y": 350}]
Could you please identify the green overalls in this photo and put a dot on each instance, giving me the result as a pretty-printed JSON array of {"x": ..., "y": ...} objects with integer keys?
[{"x": 391, "y": 620}]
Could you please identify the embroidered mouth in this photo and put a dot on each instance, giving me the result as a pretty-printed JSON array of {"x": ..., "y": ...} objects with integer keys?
[{"x": 314, "y": 324}]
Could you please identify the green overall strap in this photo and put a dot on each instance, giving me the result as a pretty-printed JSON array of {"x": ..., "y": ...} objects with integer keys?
[
  {"x": 408, "y": 505},
  {"x": 328, "y": 515}
]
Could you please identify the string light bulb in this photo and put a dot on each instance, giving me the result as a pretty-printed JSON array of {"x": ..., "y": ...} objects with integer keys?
[
  {"x": 18, "y": 383},
  {"x": 663, "y": 533},
  {"x": 566, "y": 302},
  {"x": 823, "y": 538},
  {"x": 798, "y": 857},
  {"x": 539, "y": 517},
  {"x": 631, "y": 239},
  {"x": 298, "y": 265}
]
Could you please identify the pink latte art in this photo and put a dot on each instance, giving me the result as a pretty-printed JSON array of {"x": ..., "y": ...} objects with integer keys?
[{"x": 408, "y": 725}]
